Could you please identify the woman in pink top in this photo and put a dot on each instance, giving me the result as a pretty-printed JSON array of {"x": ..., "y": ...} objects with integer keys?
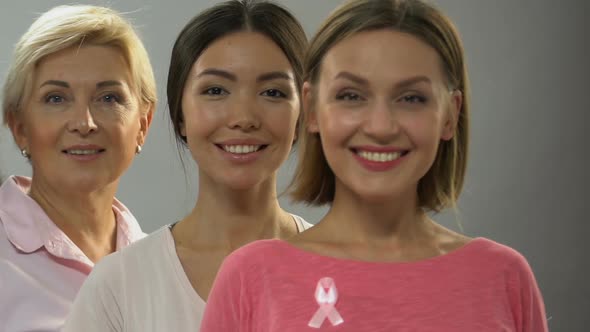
[
  {"x": 385, "y": 141},
  {"x": 78, "y": 99}
]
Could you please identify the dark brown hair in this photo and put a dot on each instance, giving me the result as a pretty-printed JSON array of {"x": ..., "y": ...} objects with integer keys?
[{"x": 267, "y": 18}]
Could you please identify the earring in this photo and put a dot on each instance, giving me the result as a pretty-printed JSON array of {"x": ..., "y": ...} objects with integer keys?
[
  {"x": 138, "y": 149},
  {"x": 25, "y": 154}
]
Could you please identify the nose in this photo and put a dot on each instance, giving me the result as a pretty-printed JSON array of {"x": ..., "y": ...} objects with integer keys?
[
  {"x": 244, "y": 114},
  {"x": 381, "y": 122},
  {"x": 82, "y": 120}
]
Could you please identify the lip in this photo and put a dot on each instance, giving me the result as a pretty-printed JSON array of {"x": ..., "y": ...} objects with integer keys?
[
  {"x": 239, "y": 141},
  {"x": 379, "y": 166},
  {"x": 84, "y": 147},
  {"x": 241, "y": 158},
  {"x": 379, "y": 149},
  {"x": 84, "y": 157}
]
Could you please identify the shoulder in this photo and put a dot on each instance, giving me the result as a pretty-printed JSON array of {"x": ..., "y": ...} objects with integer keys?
[
  {"x": 497, "y": 258},
  {"x": 129, "y": 265},
  {"x": 497, "y": 252},
  {"x": 246, "y": 272},
  {"x": 518, "y": 279},
  {"x": 21, "y": 218},
  {"x": 256, "y": 251},
  {"x": 126, "y": 223},
  {"x": 148, "y": 246},
  {"x": 256, "y": 257}
]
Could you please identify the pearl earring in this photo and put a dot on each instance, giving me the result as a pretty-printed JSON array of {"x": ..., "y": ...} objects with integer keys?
[{"x": 25, "y": 154}]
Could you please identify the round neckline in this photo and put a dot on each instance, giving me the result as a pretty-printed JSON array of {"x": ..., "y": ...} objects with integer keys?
[
  {"x": 178, "y": 268},
  {"x": 461, "y": 251}
]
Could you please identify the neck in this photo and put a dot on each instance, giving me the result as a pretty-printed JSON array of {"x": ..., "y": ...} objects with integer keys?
[
  {"x": 87, "y": 218},
  {"x": 395, "y": 222},
  {"x": 227, "y": 218}
]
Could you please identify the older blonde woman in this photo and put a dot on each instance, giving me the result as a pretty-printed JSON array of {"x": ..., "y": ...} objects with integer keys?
[{"x": 78, "y": 98}]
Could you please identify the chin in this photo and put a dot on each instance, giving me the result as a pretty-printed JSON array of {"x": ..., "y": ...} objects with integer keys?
[
  {"x": 87, "y": 183},
  {"x": 379, "y": 192},
  {"x": 377, "y": 197}
]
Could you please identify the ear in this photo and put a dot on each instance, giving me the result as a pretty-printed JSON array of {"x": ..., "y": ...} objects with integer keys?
[
  {"x": 452, "y": 118},
  {"x": 308, "y": 108},
  {"x": 145, "y": 121},
  {"x": 17, "y": 127}
]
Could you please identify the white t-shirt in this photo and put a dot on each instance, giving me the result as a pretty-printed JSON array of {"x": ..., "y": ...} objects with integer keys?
[{"x": 141, "y": 289}]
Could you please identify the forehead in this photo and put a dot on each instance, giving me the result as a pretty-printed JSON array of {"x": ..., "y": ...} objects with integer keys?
[
  {"x": 383, "y": 54},
  {"x": 243, "y": 52},
  {"x": 86, "y": 63}
]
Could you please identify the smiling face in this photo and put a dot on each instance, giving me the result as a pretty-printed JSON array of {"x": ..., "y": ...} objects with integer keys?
[
  {"x": 81, "y": 122},
  {"x": 381, "y": 107},
  {"x": 240, "y": 106}
]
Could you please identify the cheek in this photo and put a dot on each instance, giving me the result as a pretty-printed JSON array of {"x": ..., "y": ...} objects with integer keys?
[
  {"x": 336, "y": 126},
  {"x": 202, "y": 119},
  {"x": 281, "y": 123},
  {"x": 125, "y": 124},
  {"x": 278, "y": 119},
  {"x": 126, "y": 117},
  {"x": 424, "y": 129},
  {"x": 44, "y": 131}
]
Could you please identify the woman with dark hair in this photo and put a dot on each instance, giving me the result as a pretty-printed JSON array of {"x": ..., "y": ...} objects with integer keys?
[{"x": 233, "y": 94}]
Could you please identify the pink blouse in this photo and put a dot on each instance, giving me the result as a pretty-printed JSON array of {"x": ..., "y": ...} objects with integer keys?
[
  {"x": 41, "y": 269},
  {"x": 271, "y": 285}
]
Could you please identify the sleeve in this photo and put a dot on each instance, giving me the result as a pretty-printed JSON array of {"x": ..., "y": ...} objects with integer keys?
[
  {"x": 527, "y": 304},
  {"x": 229, "y": 304},
  {"x": 8, "y": 290},
  {"x": 97, "y": 306}
]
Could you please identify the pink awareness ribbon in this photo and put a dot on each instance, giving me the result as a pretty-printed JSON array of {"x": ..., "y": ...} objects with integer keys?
[{"x": 326, "y": 296}]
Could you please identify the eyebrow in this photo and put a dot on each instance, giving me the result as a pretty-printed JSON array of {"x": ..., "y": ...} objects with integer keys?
[
  {"x": 108, "y": 83},
  {"x": 66, "y": 85},
  {"x": 351, "y": 77},
  {"x": 412, "y": 80},
  {"x": 399, "y": 85},
  {"x": 55, "y": 82},
  {"x": 273, "y": 76},
  {"x": 217, "y": 72}
]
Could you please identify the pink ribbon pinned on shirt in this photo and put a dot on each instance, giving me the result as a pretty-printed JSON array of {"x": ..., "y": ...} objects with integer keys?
[{"x": 326, "y": 296}]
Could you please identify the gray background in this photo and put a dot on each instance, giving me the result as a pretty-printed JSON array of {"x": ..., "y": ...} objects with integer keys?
[{"x": 529, "y": 68}]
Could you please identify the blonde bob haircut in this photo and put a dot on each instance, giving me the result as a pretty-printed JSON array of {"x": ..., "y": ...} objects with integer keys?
[
  {"x": 75, "y": 26},
  {"x": 314, "y": 181}
]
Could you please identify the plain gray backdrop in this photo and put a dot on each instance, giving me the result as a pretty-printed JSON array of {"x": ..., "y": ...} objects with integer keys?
[{"x": 528, "y": 168}]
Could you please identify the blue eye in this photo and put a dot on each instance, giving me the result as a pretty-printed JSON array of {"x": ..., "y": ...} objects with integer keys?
[
  {"x": 274, "y": 93},
  {"x": 54, "y": 99},
  {"x": 110, "y": 98}
]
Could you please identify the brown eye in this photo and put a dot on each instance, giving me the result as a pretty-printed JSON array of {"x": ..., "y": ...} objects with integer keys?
[
  {"x": 413, "y": 99},
  {"x": 351, "y": 96},
  {"x": 215, "y": 91},
  {"x": 274, "y": 93}
]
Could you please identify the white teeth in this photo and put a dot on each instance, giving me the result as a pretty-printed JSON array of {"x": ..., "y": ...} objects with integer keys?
[
  {"x": 82, "y": 152},
  {"x": 241, "y": 149},
  {"x": 379, "y": 157}
]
